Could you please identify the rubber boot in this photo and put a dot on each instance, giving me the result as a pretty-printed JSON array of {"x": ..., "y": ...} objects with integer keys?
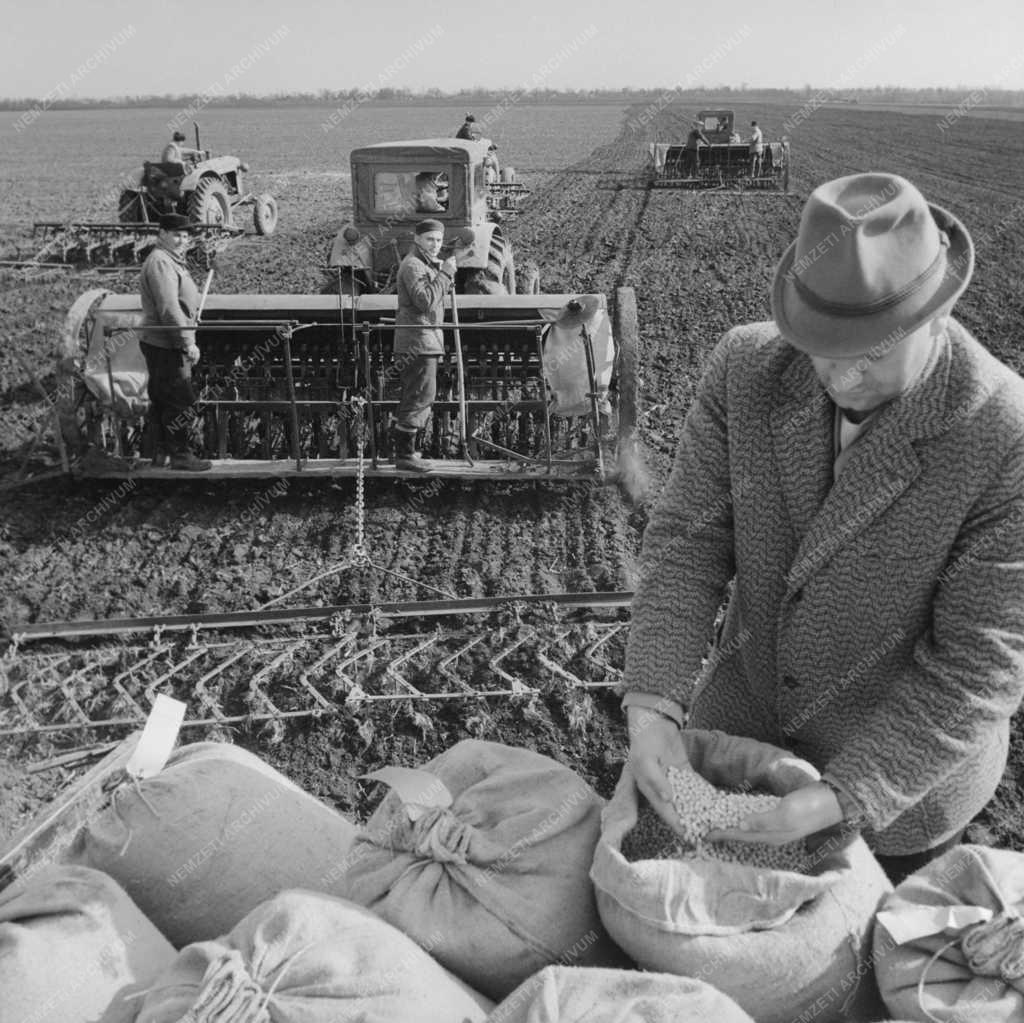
[{"x": 406, "y": 455}]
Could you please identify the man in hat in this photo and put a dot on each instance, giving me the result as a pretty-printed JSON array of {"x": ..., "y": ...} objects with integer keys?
[
  {"x": 170, "y": 299},
  {"x": 691, "y": 152},
  {"x": 855, "y": 469},
  {"x": 423, "y": 282},
  {"x": 175, "y": 152},
  {"x": 469, "y": 130},
  {"x": 427, "y": 193}
]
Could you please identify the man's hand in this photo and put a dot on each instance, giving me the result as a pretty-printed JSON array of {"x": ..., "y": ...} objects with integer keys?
[
  {"x": 448, "y": 267},
  {"x": 654, "y": 744},
  {"x": 803, "y": 812},
  {"x": 192, "y": 352}
]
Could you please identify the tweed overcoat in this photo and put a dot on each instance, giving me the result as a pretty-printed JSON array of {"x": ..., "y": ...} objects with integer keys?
[{"x": 875, "y": 626}]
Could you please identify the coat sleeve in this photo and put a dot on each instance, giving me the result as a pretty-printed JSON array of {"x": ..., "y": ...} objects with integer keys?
[
  {"x": 968, "y": 669},
  {"x": 687, "y": 557},
  {"x": 165, "y": 289},
  {"x": 426, "y": 286}
]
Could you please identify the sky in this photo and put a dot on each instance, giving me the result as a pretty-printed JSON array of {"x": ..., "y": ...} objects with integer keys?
[{"x": 104, "y": 48}]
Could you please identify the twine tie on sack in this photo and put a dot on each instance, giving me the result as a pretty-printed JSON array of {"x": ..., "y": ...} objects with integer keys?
[
  {"x": 440, "y": 836},
  {"x": 229, "y": 994},
  {"x": 992, "y": 948},
  {"x": 117, "y": 812}
]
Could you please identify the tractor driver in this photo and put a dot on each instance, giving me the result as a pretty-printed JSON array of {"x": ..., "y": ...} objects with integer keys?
[
  {"x": 423, "y": 282},
  {"x": 427, "y": 194},
  {"x": 175, "y": 152}
]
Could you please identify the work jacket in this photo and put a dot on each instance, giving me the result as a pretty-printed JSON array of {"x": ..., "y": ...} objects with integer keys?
[
  {"x": 169, "y": 297},
  {"x": 421, "y": 289},
  {"x": 876, "y": 623}
]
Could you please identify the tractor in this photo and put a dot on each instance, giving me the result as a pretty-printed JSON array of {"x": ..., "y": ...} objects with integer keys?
[
  {"x": 397, "y": 184},
  {"x": 207, "y": 191},
  {"x": 726, "y": 163}
]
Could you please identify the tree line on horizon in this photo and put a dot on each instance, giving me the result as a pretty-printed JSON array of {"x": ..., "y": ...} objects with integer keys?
[{"x": 479, "y": 96}]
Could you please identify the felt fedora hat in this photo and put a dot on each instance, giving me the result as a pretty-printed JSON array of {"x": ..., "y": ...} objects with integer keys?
[{"x": 872, "y": 261}]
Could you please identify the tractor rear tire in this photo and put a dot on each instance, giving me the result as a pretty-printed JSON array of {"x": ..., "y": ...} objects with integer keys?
[
  {"x": 492, "y": 279},
  {"x": 264, "y": 214},
  {"x": 209, "y": 203}
]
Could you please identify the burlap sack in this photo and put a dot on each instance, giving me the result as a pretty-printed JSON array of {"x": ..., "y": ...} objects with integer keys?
[
  {"x": 777, "y": 942},
  {"x": 565, "y": 994},
  {"x": 500, "y": 876},
  {"x": 956, "y": 925},
  {"x": 212, "y": 836},
  {"x": 302, "y": 957},
  {"x": 75, "y": 949}
]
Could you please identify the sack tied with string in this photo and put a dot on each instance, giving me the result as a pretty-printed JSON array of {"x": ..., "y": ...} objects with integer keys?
[
  {"x": 210, "y": 837},
  {"x": 74, "y": 948},
  {"x": 568, "y": 994},
  {"x": 780, "y": 943},
  {"x": 303, "y": 957},
  {"x": 493, "y": 856},
  {"x": 949, "y": 941}
]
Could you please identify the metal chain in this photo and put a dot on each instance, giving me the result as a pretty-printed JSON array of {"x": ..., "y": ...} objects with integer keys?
[{"x": 359, "y": 554}]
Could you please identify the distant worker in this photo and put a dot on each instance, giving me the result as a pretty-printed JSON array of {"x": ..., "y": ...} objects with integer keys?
[
  {"x": 756, "y": 149},
  {"x": 469, "y": 130},
  {"x": 423, "y": 282},
  {"x": 427, "y": 196},
  {"x": 492, "y": 172},
  {"x": 170, "y": 299},
  {"x": 696, "y": 138},
  {"x": 175, "y": 152}
]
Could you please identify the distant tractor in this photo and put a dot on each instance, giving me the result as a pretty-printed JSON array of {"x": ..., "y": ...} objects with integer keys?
[
  {"x": 723, "y": 164},
  {"x": 208, "y": 192},
  {"x": 397, "y": 184}
]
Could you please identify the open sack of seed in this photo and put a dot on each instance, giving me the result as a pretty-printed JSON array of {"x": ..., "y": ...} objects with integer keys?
[
  {"x": 488, "y": 848},
  {"x": 303, "y": 957},
  {"x": 568, "y": 994},
  {"x": 949, "y": 942},
  {"x": 210, "y": 837},
  {"x": 74, "y": 948},
  {"x": 779, "y": 930}
]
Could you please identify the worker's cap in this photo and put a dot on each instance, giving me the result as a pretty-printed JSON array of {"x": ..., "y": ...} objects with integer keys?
[
  {"x": 175, "y": 222},
  {"x": 753, "y": 124},
  {"x": 470, "y": 117},
  {"x": 178, "y": 137},
  {"x": 428, "y": 225}
]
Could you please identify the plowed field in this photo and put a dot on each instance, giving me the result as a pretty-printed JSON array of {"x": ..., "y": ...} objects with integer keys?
[{"x": 699, "y": 263}]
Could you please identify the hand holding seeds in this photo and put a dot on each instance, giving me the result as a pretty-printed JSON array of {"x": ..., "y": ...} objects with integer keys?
[
  {"x": 655, "y": 743},
  {"x": 803, "y": 812}
]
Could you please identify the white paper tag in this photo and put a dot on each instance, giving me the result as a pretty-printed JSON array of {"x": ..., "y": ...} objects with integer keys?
[
  {"x": 907, "y": 924},
  {"x": 158, "y": 738},
  {"x": 418, "y": 790}
]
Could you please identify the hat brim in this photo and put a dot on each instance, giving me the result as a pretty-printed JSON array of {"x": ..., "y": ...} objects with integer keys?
[{"x": 820, "y": 334}]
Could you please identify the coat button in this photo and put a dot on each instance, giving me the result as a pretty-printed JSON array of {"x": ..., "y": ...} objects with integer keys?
[{"x": 789, "y": 682}]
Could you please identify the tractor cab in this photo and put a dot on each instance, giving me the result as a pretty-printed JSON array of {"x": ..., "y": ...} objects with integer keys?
[
  {"x": 717, "y": 125},
  {"x": 395, "y": 185}
]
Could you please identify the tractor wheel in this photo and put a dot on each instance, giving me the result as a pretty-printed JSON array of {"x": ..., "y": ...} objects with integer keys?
[
  {"x": 626, "y": 332},
  {"x": 209, "y": 203},
  {"x": 491, "y": 280},
  {"x": 264, "y": 214},
  {"x": 130, "y": 207}
]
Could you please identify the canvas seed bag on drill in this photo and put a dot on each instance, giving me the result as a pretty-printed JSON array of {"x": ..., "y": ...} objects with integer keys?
[{"x": 777, "y": 942}]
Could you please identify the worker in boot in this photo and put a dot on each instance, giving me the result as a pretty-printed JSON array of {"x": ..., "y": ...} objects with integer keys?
[
  {"x": 854, "y": 468},
  {"x": 170, "y": 299},
  {"x": 423, "y": 282}
]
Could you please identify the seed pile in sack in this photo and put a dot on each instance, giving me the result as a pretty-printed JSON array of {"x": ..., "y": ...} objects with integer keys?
[
  {"x": 74, "y": 948},
  {"x": 303, "y": 957},
  {"x": 569, "y": 994},
  {"x": 210, "y": 837},
  {"x": 497, "y": 865},
  {"x": 780, "y": 943},
  {"x": 949, "y": 942}
]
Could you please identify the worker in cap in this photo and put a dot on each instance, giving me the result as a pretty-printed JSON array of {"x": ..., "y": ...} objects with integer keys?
[
  {"x": 176, "y": 152},
  {"x": 170, "y": 302},
  {"x": 854, "y": 469},
  {"x": 468, "y": 130},
  {"x": 423, "y": 281}
]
